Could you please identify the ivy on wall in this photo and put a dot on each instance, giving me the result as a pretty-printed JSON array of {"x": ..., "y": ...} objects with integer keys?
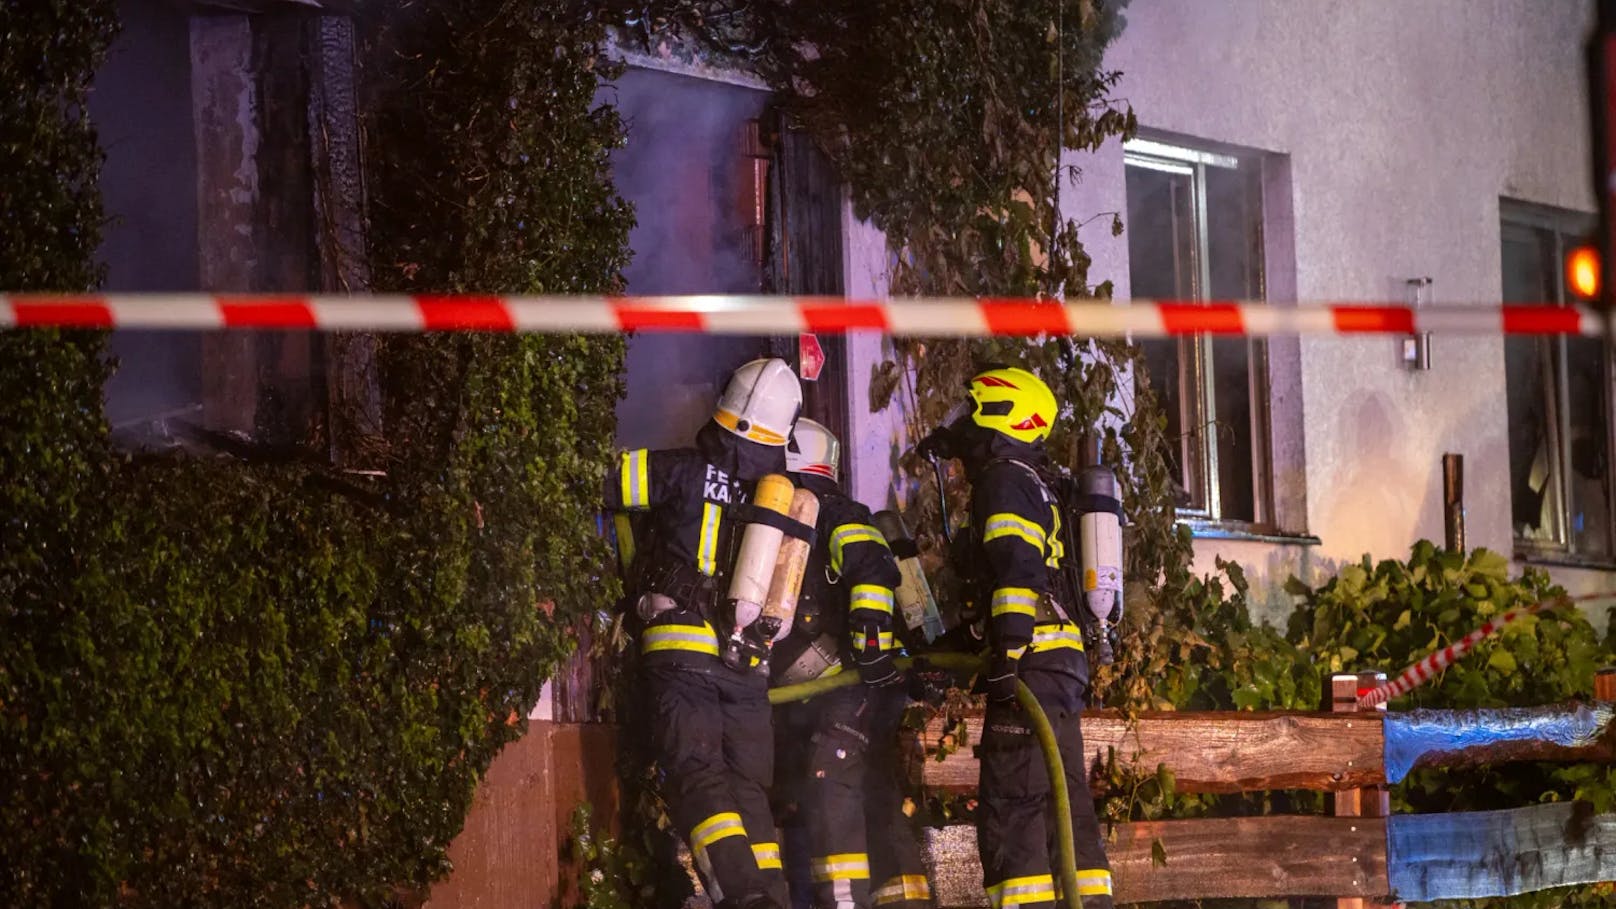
[{"x": 226, "y": 683}]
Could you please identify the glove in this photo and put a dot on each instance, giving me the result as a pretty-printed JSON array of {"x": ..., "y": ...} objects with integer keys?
[
  {"x": 1002, "y": 680},
  {"x": 937, "y": 444},
  {"x": 928, "y": 686},
  {"x": 876, "y": 667}
]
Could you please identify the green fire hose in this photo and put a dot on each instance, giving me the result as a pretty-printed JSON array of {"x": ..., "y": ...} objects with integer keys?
[{"x": 964, "y": 662}]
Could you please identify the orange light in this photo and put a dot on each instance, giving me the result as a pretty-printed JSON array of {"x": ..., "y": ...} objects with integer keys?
[{"x": 1582, "y": 272}]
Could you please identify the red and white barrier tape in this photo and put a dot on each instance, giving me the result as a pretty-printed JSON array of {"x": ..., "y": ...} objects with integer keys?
[
  {"x": 764, "y": 315},
  {"x": 1427, "y": 668}
]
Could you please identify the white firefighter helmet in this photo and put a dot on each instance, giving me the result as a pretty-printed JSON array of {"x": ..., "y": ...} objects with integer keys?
[
  {"x": 814, "y": 449},
  {"x": 761, "y": 402}
]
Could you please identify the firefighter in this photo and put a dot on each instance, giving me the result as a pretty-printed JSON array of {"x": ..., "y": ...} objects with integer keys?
[
  {"x": 710, "y": 721},
  {"x": 862, "y": 850},
  {"x": 1027, "y": 577}
]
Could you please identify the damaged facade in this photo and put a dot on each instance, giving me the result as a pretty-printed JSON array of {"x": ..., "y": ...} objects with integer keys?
[
  {"x": 1282, "y": 161},
  {"x": 232, "y": 166}
]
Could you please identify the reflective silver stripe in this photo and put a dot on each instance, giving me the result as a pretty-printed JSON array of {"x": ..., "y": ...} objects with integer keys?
[
  {"x": 1057, "y": 637},
  {"x": 767, "y": 855},
  {"x": 848, "y": 534},
  {"x": 715, "y": 828},
  {"x": 847, "y": 866},
  {"x": 871, "y": 596},
  {"x": 1094, "y": 882},
  {"x": 707, "y": 549},
  {"x": 1015, "y": 601},
  {"x": 884, "y": 639},
  {"x": 902, "y": 889},
  {"x": 695, "y": 638},
  {"x": 636, "y": 482},
  {"x": 1019, "y": 891},
  {"x": 1006, "y": 524}
]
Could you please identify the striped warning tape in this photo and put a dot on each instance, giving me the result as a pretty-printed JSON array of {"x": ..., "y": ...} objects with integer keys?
[
  {"x": 751, "y": 315},
  {"x": 1431, "y": 665}
]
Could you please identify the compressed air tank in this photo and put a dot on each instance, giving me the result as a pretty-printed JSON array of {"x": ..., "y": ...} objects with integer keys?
[
  {"x": 759, "y": 551},
  {"x": 914, "y": 596},
  {"x": 780, "y": 606}
]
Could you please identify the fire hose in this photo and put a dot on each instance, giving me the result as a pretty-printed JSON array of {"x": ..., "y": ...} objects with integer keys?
[{"x": 964, "y": 662}]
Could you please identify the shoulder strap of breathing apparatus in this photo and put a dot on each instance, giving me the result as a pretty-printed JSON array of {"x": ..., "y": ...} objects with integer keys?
[{"x": 1058, "y": 489}]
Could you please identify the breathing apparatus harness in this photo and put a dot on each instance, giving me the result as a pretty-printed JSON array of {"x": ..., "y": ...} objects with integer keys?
[
  {"x": 753, "y": 630},
  {"x": 1089, "y": 517}
]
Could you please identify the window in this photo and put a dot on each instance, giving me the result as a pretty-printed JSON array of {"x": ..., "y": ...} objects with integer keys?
[
  {"x": 1195, "y": 233},
  {"x": 1558, "y": 392}
]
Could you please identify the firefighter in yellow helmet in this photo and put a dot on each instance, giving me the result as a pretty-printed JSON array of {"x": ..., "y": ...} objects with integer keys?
[
  {"x": 843, "y": 773},
  {"x": 1021, "y": 568},
  {"x": 710, "y": 722}
]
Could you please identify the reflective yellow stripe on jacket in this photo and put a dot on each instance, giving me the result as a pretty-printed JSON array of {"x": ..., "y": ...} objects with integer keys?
[
  {"x": 871, "y": 596},
  {"x": 1006, "y": 525},
  {"x": 848, "y": 866},
  {"x": 1057, "y": 636},
  {"x": 848, "y": 534},
  {"x": 1094, "y": 882},
  {"x": 767, "y": 855},
  {"x": 635, "y": 478},
  {"x": 707, "y": 547},
  {"x": 1019, "y": 891},
  {"x": 691, "y": 638},
  {"x": 715, "y": 828},
  {"x": 1015, "y": 601},
  {"x": 885, "y": 639},
  {"x": 902, "y": 889},
  {"x": 1057, "y": 549}
]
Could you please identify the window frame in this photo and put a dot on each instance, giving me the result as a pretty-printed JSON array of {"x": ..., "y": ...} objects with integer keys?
[
  {"x": 1566, "y": 226},
  {"x": 1196, "y": 379}
]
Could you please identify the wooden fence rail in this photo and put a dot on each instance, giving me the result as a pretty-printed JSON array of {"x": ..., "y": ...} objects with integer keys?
[
  {"x": 1248, "y": 857},
  {"x": 1228, "y": 751},
  {"x": 1405, "y": 857}
]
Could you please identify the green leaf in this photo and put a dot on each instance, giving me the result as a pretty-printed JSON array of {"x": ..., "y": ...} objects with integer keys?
[
  {"x": 1502, "y": 661},
  {"x": 1158, "y": 853},
  {"x": 1489, "y": 563}
]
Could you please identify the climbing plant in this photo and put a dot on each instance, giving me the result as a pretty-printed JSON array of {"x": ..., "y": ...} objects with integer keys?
[
  {"x": 253, "y": 681},
  {"x": 50, "y": 208}
]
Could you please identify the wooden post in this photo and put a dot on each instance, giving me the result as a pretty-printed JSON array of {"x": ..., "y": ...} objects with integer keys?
[
  {"x": 1605, "y": 684},
  {"x": 1453, "y": 502},
  {"x": 1370, "y": 802}
]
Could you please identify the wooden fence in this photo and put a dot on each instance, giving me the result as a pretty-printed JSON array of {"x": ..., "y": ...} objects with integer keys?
[{"x": 1404, "y": 857}]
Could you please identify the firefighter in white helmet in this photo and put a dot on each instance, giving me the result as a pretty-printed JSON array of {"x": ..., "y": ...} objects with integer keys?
[
  {"x": 710, "y": 722},
  {"x": 862, "y": 850}
]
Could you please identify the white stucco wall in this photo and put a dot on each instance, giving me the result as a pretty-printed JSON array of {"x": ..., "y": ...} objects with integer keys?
[
  {"x": 1404, "y": 124},
  {"x": 1404, "y": 121}
]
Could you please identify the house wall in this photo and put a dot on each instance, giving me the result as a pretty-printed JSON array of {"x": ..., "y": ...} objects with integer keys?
[{"x": 1396, "y": 127}]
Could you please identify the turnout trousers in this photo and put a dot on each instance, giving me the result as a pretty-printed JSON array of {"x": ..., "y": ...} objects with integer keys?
[
  {"x": 714, "y": 742},
  {"x": 862, "y": 849},
  {"x": 1015, "y": 816}
]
